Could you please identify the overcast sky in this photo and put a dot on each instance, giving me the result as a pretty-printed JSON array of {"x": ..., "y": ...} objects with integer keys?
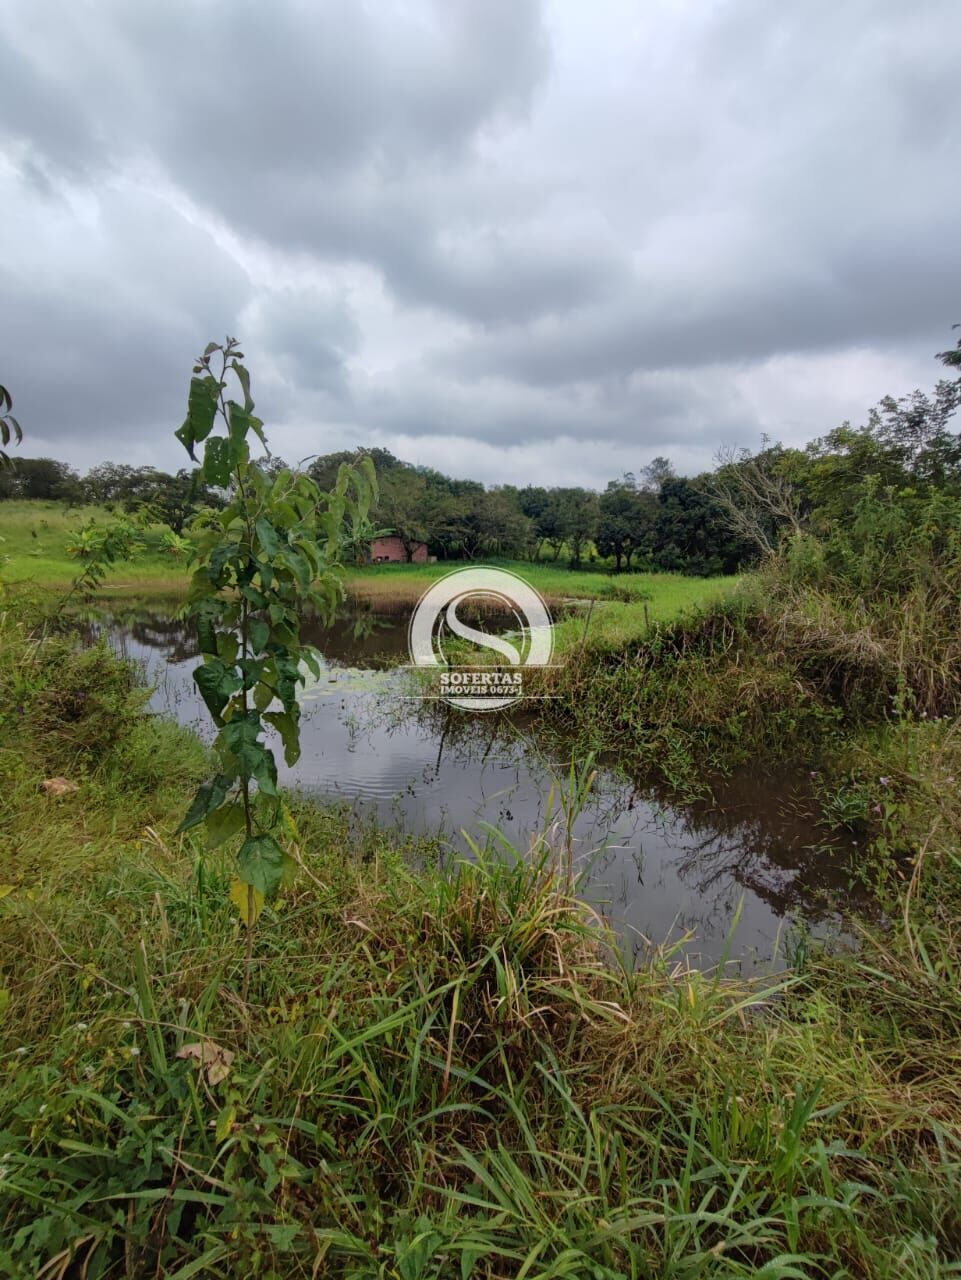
[{"x": 519, "y": 241}]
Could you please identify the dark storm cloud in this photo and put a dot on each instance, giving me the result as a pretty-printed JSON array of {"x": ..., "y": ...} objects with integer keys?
[
  {"x": 504, "y": 221},
  {"x": 333, "y": 128},
  {"x": 98, "y": 341}
]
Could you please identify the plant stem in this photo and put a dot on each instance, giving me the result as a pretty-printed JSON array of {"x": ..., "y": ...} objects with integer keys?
[
  {"x": 244, "y": 650},
  {"x": 249, "y": 954}
]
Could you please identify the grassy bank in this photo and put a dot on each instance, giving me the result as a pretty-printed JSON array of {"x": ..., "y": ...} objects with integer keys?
[
  {"x": 801, "y": 663},
  {"x": 435, "y": 1075}
]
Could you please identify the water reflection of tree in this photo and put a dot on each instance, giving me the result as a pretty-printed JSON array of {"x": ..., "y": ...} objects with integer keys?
[
  {"x": 173, "y": 637},
  {"x": 164, "y": 631},
  {"x": 755, "y": 832},
  {"x": 360, "y": 636},
  {"x": 761, "y": 832}
]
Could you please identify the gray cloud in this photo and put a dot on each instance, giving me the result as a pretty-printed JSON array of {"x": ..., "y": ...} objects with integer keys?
[
  {"x": 98, "y": 337},
  {"x": 506, "y": 223},
  {"x": 309, "y": 336}
]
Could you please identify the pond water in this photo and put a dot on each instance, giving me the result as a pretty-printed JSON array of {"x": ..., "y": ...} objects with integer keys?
[{"x": 658, "y": 867}]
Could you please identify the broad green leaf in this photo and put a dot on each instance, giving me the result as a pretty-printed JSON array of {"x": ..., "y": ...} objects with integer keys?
[
  {"x": 241, "y": 736},
  {"x": 223, "y": 823},
  {"x": 206, "y": 615},
  {"x": 201, "y": 412},
  {"x": 239, "y": 422},
  {"x": 252, "y": 669},
  {"x": 263, "y": 696},
  {"x": 210, "y": 796},
  {"x": 257, "y": 426},
  {"x": 219, "y": 559},
  {"x": 296, "y": 563},
  {"x": 256, "y": 598},
  {"x": 260, "y": 863},
  {"x": 267, "y": 536},
  {"x": 310, "y": 657},
  {"x": 228, "y": 1117},
  {"x": 227, "y": 647},
  {"x": 288, "y": 677},
  {"x": 289, "y": 822},
  {"x": 286, "y": 724},
  {"x": 10, "y": 429},
  {"x": 217, "y": 462},
  {"x": 259, "y": 632},
  {"x": 288, "y": 871},
  {"x": 243, "y": 377},
  {"x": 217, "y": 683}
]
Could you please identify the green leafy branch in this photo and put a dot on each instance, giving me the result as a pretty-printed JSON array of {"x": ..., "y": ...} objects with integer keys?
[
  {"x": 270, "y": 555},
  {"x": 10, "y": 430}
]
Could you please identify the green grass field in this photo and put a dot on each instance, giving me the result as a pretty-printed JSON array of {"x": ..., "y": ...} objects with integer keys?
[
  {"x": 555, "y": 581},
  {"x": 34, "y": 537},
  {"x": 660, "y": 597},
  {"x": 33, "y": 541},
  {"x": 666, "y": 594}
]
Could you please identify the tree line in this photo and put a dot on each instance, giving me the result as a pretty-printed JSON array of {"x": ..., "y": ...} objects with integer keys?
[
  {"x": 656, "y": 520},
  {"x": 717, "y": 522}
]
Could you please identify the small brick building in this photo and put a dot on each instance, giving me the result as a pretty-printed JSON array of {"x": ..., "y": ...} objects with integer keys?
[{"x": 390, "y": 550}]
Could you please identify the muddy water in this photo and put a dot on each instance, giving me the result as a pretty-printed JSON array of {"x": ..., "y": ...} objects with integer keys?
[{"x": 659, "y": 868}]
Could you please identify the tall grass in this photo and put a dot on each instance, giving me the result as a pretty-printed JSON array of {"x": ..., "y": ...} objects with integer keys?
[
  {"x": 436, "y": 1074},
  {"x": 837, "y": 636}
]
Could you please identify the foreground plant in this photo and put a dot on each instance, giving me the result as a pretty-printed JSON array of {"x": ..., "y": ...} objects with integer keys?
[{"x": 270, "y": 555}]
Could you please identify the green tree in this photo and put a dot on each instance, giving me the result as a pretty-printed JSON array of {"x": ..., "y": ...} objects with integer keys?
[
  {"x": 620, "y": 521},
  {"x": 402, "y": 507},
  {"x": 534, "y": 501},
  {"x": 578, "y": 508},
  {"x": 267, "y": 557},
  {"x": 656, "y": 473},
  {"x": 490, "y": 522},
  {"x": 43, "y": 478},
  {"x": 552, "y": 525},
  {"x": 691, "y": 534}
]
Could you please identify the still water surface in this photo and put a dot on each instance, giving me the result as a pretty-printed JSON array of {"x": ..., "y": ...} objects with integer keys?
[{"x": 656, "y": 866}]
